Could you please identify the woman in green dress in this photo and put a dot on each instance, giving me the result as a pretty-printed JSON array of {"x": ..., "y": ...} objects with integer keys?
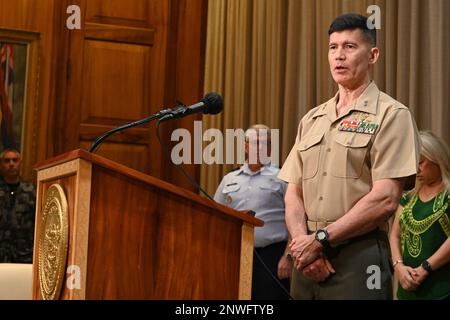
[{"x": 420, "y": 243}]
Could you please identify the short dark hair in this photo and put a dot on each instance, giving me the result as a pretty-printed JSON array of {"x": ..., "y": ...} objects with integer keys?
[{"x": 351, "y": 21}]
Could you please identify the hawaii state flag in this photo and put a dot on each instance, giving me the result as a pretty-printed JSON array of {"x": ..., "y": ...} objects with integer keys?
[{"x": 6, "y": 94}]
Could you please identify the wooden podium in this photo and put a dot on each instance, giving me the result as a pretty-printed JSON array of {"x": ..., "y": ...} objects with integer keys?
[{"x": 132, "y": 236}]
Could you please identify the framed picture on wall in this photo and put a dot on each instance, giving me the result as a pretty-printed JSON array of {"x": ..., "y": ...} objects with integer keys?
[{"x": 19, "y": 74}]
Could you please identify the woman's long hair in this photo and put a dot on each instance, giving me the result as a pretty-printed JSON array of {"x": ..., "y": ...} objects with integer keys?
[{"x": 436, "y": 150}]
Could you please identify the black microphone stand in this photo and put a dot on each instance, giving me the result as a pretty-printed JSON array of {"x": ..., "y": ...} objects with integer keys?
[{"x": 162, "y": 115}]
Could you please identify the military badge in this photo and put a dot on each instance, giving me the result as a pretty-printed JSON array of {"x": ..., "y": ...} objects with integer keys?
[
  {"x": 358, "y": 126},
  {"x": 349, "y": 125}
]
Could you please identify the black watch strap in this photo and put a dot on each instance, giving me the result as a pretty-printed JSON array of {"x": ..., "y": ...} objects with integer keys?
[
  {"x": 426, "y": 265},
  {"x": 322, "y": 236}
]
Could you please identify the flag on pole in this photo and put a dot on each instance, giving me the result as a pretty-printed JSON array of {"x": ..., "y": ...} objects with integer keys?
[{"x": 6, "y": 94}]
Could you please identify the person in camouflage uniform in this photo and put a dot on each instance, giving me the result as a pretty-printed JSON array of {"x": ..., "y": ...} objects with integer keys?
[{"x": 17, "y": 211}]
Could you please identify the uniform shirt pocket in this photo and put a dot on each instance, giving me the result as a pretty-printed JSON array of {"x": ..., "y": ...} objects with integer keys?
[
  {"x": 350, "y": 153},
  {"x": 272, "y": 194},
  {"x": 275, "y": 187},
  {"x": 309, "y": 149},
  {"x": 232, "y": 187}
]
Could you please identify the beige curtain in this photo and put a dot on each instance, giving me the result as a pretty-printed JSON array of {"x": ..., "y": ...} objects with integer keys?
[{"x": 268, "y": 58}]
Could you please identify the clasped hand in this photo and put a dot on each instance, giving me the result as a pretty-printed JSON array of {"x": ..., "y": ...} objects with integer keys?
[
  {"x": 410, "y": 278},
  {"x": 308, "y": 259}
]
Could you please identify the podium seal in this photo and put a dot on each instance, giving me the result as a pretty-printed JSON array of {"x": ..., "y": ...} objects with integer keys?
[{"x": 53, "y": 243}]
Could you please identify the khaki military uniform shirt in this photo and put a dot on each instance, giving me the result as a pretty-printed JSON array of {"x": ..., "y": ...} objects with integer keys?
[{"x": 336, "y": 159}]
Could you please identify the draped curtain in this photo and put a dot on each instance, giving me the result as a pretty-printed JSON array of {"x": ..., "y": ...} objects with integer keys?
[{"x": 268, "y": 58}]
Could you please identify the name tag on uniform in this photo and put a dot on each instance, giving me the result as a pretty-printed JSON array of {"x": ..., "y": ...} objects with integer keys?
[{"x": 358, "y": 126}]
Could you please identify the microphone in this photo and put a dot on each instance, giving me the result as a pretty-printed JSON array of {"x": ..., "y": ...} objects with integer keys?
[{"x": 212, "y": 103}]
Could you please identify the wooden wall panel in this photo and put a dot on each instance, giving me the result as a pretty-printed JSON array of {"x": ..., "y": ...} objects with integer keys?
[
  {"x": 115, "y": 77},
  {"x": 124, "y": 12},
  {"x": 97, "y": 31},
  {"x": 186, "y": 73},
  {"x": 116, "y": 80}
]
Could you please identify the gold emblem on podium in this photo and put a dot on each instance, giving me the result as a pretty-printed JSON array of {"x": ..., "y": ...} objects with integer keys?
[{"x": 53, "y": 243}]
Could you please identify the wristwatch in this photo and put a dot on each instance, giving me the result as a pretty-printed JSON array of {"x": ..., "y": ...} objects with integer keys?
[
  {"x": 322, "y": 236},
  {"x": 426, "y": 265}
]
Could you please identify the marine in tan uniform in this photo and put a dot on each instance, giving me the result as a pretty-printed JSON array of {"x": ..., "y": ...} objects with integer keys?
[{"x": 352, "y": 158}]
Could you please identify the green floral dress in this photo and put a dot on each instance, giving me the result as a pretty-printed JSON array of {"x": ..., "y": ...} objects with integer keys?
[{"x": 424, "y": 227}]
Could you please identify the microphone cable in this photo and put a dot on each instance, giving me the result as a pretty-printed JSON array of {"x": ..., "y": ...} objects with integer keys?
[
  {"x": 179, "y": 166},
  {"x": 195, "y": 184}
]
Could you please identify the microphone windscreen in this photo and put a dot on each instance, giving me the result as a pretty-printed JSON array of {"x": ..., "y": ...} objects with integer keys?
[{"x": 213, "y": 103}]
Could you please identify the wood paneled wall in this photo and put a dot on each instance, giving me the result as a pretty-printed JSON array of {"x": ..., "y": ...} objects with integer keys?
[{"x": 130, "y": 59}]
